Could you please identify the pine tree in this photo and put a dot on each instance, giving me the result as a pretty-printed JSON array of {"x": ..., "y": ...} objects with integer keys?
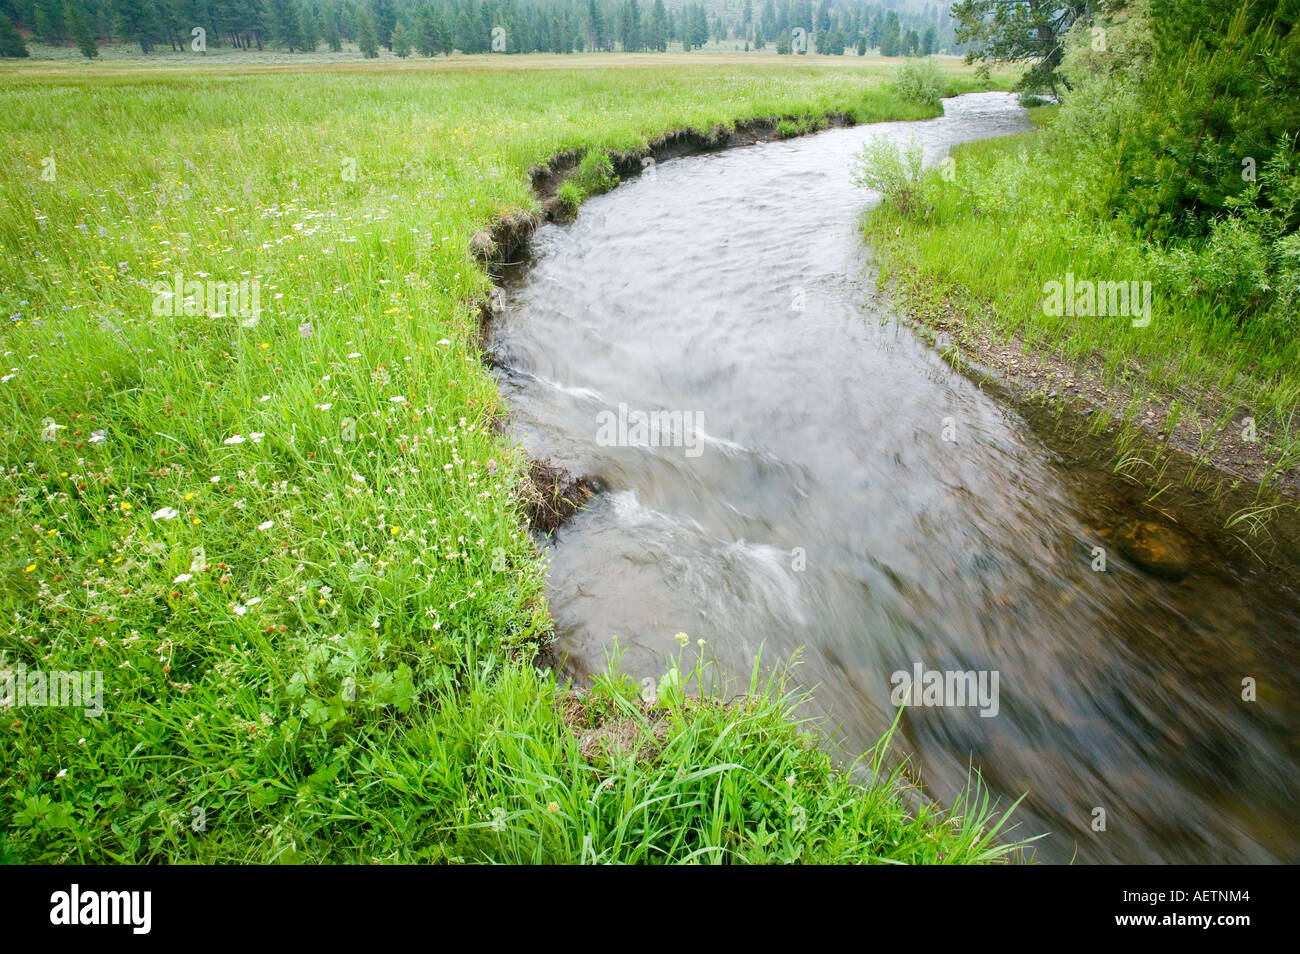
[
  {"x": 139, "y": 21},
  {"x": 309, "y": 28},
  {"x": 285, "y": 20},
  {"x": 12, "y": 43},
  {"x": 401, "y": 40},
  {"x": 465, "y": 39},
  {"x": 49, "y": 22},
  {"x": 426, "y": 37},
  {"x": 1007, "y": 32},
  {"x": 597, "y": 25},
  {"x": 80, "y": 31},
  {"x": 443, "y": 32},
  {"x": 659, "y": 27},
  {"x": 366, "y": 39},
  {"x": 385, "y": 21},
  {"x": 331, "y": 31},
  {"x": 891, "y": 36},
  {"x": 628, "y": 27}
]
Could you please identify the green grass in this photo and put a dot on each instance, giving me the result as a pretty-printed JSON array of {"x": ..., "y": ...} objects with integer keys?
[
  {"x": 594, "y": 175},
  {"x": 1016, "y": 215},
  {"x": 293, "y": 547}
]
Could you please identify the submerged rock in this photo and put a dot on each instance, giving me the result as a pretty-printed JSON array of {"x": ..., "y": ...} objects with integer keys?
[
  {"x": 481, "y": 246},
  {"x": 1156, "y": 548}
]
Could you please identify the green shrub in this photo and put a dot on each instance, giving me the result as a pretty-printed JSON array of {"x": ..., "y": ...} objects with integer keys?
[
  {"x": 921, "y": 81},
  {"x": 892, "y": 171},
  {"x": 1235, "y": 269},
  {"x": 1286, "y": 269}
]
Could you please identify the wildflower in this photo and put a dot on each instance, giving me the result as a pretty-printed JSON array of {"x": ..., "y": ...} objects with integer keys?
[
  {"x": 166, "y": 513},
  {"x": 183, "y": 578},
  {"x": 323, "y": 407},
  {"x": 62, "y": 772},
  {"x": 552, "y": 807},
  {"x": 700, "y": 642},
  {"x": 256, "y": 436},
  {"x": 304, "y": 329},
  {"x": 98, "y": 437},
  {"x": 682, "y": 639},
  {"x": 236, "y": 439},
  {"x": 267, "y": 525},
  {"x": 31, "y": 567}
]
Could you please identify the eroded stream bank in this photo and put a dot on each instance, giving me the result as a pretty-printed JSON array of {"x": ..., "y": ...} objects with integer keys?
[{"x": 824, "y": 479}]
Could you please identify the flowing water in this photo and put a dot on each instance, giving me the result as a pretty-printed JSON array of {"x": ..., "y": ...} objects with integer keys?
[{"x": 832, "y": 484}]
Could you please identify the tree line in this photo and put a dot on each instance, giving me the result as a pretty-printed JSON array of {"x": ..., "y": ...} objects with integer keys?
[{"x": 439, "y": 27}]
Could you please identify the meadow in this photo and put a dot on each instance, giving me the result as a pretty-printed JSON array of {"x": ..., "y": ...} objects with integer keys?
[{"x": 288, "y": 535}]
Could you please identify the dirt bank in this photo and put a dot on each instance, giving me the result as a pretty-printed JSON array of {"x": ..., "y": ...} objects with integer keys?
[
  {"x": 507, "y": 236},
  {"x": 972, "y": 341}
]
